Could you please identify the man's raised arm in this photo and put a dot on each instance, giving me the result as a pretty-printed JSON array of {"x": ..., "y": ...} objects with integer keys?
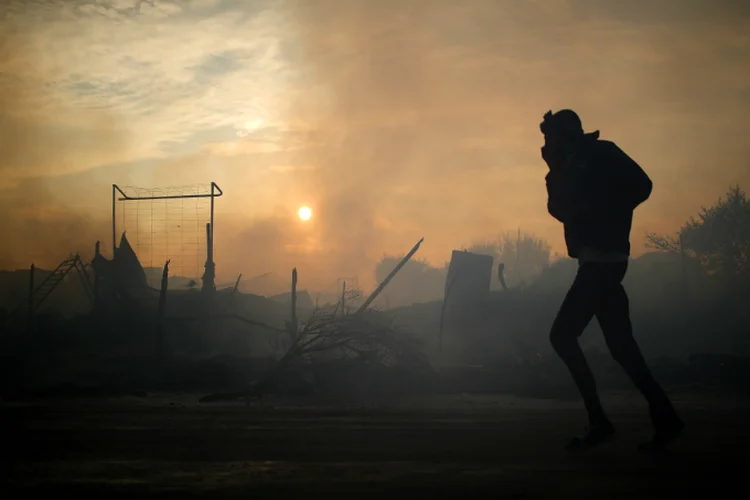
[{"x": 557, "y": 198}]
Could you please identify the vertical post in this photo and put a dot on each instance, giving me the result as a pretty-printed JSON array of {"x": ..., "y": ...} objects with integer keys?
[
  {"x": 161, "y": 311},
  {"x": 501, "y": 275},
  {"x": 209, "y": 246},
  {"x": 343, "y": 298},
  {"x": 213, "y": 195},
  {"x": 114, "y": 218},
  {"x": 31, "y": 299},
  {"x": 442, "y": 312},
  {"x": 294, "y": 303},
  {"x": 97, "y": 278},
  {"x": 209, "y": 273}
]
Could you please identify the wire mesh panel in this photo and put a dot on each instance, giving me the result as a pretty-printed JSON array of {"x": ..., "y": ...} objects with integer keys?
[{"x": 167, "y": 223}]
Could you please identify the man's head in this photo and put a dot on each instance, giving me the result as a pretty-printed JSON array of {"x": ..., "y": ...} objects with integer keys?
[
  {"x": 562, "y": 127},
  {"x": 563, "y": 136}
]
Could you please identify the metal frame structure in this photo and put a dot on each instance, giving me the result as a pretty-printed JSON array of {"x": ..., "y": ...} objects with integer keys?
[
  {"x": 38, "y": 293},
  {"x": 215, "y": 193}
]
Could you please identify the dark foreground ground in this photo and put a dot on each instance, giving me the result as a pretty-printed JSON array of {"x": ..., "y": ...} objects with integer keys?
[{"x": 448, "y": 447}]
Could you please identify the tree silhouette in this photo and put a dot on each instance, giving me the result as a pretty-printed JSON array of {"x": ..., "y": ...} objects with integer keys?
[{"x": 719, "y": 237}]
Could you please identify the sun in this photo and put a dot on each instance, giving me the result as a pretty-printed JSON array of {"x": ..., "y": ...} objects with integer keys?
[{"x": 304, "y": 213}]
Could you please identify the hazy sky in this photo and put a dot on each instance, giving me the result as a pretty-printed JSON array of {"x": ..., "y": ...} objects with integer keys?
[{"x": 393, "y": 120}]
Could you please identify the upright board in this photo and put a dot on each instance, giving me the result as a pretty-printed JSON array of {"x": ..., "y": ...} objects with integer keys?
[{"x": 468, "y": 280}]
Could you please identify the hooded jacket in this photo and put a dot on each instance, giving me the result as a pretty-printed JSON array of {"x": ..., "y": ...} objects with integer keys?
[{"x": 594, "y": 193}]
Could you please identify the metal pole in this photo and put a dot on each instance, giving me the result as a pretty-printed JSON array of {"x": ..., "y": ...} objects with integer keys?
[
  {"x": 31, "y": 298},
  {"x": 213, "y": 189},
  {"x": 114, "y": 215},
  {"x": 161, "y": 311},
  {"x": 97, "y": 276},
  {"x": 209, "y": 273},
  {"x": 294, "y": 324}
]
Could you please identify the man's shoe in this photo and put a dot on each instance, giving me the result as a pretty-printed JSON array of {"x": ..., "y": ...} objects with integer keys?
[
  {"x": 666, "y": 432},
  {"x": 594, "y": 435}
]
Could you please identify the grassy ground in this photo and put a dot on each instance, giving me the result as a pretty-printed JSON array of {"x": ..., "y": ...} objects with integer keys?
[{"x": 448, "y": 446}]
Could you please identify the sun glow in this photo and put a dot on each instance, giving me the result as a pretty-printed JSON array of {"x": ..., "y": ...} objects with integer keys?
[{"x": 304, "y": 213}]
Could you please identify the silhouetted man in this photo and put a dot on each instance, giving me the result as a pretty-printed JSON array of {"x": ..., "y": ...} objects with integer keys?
[{"x": 593, "y": 188}]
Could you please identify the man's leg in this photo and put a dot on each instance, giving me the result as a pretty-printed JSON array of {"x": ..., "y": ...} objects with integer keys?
[
  {"x": 577, "y": 310},
  {"x": 614, "y": 319}
]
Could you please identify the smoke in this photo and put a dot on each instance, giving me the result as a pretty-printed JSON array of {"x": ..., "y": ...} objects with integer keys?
[
  {"x": 422, "y": 119},
  {"x": 40, "y": 137},
  {"x": 397, "y": 120},
  {"x": 371, "y": 86},
  {"x": 39, "y": 229}
]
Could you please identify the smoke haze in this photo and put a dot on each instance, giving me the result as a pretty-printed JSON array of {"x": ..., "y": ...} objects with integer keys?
[{"x": 391, "y": 120}]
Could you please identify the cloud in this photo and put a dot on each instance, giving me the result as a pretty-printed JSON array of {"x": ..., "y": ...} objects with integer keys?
[{"x": 163, "y": 78}]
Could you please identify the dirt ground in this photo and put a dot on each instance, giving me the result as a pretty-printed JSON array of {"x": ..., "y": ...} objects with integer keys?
[{"x": 440, "y": 446}]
